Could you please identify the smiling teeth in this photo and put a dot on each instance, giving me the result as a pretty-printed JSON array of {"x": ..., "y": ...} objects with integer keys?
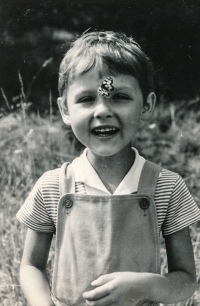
[{"x": 105, "y": 129}]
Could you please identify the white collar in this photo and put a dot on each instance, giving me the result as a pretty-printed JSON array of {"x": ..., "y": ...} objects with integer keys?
[{"x": 84, "y": 172}]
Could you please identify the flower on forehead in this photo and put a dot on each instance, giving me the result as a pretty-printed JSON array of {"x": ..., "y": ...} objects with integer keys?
[
  {"x": 103, "y": 92},
  {"x": 106, "y": 87}
]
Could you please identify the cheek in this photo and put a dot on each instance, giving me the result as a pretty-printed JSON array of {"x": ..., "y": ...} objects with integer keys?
[
  {"x": 133, "y": 116},
  {"x": 78, "y": 125},
  {"x": 75, "y": 124}
]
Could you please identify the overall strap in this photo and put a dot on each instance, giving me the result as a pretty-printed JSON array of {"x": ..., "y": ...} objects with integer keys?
[
  {"x": 66, "y": 180},
  {"x": 149, "y": 178}
]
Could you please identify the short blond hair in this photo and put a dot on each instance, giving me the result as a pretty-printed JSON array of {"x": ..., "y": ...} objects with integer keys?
[{"x": 113, "y": 50}]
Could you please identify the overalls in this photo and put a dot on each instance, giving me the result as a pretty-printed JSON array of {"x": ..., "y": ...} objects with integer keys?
[{"x": 98, "y": 235}]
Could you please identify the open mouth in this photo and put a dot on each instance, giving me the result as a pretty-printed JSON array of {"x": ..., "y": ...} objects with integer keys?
[{"x": 105, "y": 131}]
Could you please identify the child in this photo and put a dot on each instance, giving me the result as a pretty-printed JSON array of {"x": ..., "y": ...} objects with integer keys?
[{"x": 108, "y": 207}]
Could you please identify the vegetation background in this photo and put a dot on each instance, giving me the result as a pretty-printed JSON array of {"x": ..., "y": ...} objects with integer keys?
[{"x": 34, "y": 37}]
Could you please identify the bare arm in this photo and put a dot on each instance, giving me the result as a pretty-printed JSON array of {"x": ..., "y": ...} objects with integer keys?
[
  {"x": 180, "y": 282},
  {"x": 181, "y": 279},
  {"x": 177, "y": 285},
  {"x": 33, "y": 277}
]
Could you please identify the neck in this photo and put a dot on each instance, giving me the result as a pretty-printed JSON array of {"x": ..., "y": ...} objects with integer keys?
[{"x": 112, "y": 169}]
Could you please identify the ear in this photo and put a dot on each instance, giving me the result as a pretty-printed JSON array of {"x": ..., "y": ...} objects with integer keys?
[
  {"x": 148, "y": 107},
  {"x": 64, "y": 111}
]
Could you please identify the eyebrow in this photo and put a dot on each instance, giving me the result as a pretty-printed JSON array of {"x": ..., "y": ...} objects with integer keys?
[
  {"x": 84, "y": 91},
  {"x": 123, "y": 87},
  {"x": 90, "y": 90}
]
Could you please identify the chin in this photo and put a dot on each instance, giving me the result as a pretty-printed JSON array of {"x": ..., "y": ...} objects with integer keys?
[{"x": 105, "y": 153}]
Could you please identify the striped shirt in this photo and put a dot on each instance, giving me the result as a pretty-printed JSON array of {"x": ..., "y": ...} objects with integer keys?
[{"x": 175, "y": 206}]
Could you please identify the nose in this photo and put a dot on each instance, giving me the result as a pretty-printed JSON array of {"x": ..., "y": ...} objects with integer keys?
[{"x": 103, "y": 109}]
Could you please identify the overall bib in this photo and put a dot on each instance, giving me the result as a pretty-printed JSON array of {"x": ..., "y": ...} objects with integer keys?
[{"x": 99, "y": 235}]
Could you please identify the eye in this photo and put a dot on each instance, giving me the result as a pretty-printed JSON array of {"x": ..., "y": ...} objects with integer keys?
[
  {"x": 86, "y": 99},
  {"x": 121, "y": 96}
]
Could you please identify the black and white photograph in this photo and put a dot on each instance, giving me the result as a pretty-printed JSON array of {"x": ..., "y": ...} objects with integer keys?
[{"x": 100, "y": 153}]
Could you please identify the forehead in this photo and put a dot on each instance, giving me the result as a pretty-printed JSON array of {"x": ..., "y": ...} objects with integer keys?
[
  {"x": 92, "y": 79},
  {"x": 99, "y": 68},
  {"x": 99, "y": 71}
]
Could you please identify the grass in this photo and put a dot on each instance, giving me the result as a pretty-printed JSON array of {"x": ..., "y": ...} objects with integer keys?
[{"x": 31, "y": 144}]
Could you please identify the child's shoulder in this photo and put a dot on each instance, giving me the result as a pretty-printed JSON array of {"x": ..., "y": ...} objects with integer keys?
[
  {"x": 168, "y": 174},
  {"x": 165, "y": 176},
  {"x": 49, "y": 179},
  {"x": 50, "y": 174},
  {"x": 170, "y": 182},
  {"x": 168, "y": 177}
]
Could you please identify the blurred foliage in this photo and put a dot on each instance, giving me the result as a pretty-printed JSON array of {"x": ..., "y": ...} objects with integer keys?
[{"x": 34, "y": 31}]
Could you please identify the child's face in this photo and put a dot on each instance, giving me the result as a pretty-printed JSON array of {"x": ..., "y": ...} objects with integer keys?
[{"x": 105, "y": 125}]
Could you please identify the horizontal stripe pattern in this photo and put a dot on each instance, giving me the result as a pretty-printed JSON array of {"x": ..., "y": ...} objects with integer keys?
[{"x": 175, "y": 206}]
